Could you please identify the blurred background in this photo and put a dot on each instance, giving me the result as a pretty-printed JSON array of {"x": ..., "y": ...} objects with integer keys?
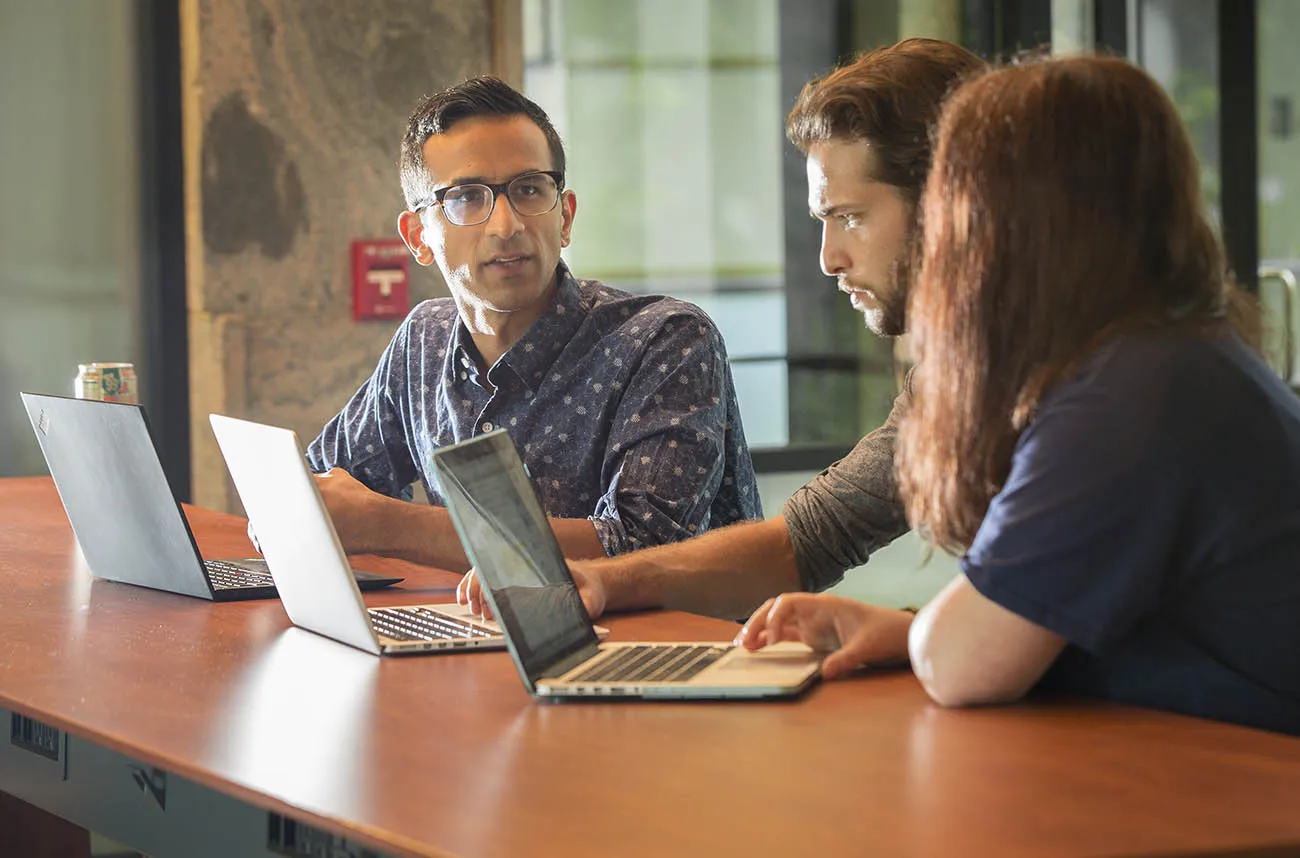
[{"x": 182, "y": 181}]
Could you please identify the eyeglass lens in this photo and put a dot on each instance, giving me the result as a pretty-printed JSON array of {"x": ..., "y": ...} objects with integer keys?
[{"x": 530, "y": 195}]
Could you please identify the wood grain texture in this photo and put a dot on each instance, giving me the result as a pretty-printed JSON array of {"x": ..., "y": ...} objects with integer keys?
[{"x": 446, "y": 754}]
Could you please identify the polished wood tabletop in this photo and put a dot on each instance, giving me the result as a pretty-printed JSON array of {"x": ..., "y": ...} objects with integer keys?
[{"x": 447, "y": 755}]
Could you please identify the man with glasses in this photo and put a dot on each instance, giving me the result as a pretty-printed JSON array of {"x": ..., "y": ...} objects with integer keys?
[{"x": 622, "y": 406}]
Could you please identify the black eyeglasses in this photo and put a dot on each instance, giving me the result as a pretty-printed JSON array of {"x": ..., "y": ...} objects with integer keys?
[{"x": 530, "y": 195}]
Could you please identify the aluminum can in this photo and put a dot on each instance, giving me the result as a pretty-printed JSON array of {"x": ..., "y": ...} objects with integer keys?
[{"x": 111, "y": 382}]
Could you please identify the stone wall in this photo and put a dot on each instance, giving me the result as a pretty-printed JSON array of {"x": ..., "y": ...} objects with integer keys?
[{"x": 293, "y": 113}]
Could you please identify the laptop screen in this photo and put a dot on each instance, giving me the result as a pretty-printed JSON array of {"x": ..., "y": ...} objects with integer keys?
[
  {"x": 121, "y": 507},
  {"x": 509, "y": 541}
]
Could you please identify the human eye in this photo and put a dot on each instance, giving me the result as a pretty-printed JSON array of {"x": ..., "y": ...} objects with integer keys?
[
  {"x": 532, "y": 186},
  {"x": 467, "y": 195}
]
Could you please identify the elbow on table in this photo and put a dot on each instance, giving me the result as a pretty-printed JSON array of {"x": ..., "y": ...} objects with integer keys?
[
  {"x": 955, "y": 692},
  {"x": 954, "y": 677}
]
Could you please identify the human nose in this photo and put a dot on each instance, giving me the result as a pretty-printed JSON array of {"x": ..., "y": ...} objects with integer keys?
[
  {"x": 504, "y": 221},
  {"x": 833, "y": 258}
]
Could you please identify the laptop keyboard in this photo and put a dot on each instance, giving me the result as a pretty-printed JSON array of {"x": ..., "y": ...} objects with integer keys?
[
  {"x": 228, "y": 576},
  {"x": 647, "y": 663},
  {"x": 422, "y": 624}
]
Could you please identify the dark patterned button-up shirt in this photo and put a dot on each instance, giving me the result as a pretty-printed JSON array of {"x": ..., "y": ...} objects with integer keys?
[{"x": 622, "y": 407}]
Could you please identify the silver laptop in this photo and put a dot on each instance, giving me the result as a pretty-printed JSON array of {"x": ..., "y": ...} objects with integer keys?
[
  {"x": 527, "y": 582},
  {"x": 308, "y": 564},
  {"x": 127, "y": 520}
]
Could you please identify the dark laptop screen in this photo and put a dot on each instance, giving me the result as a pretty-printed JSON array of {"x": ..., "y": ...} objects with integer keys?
[{"x": 510, "y": 543}]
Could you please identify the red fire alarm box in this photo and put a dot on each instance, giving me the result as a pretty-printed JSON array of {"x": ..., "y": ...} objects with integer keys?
[{"x": 381, "y": 278}]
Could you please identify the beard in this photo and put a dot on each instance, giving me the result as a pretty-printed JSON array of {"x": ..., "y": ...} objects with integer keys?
[
  {"x": 886, "y": 320},
  {"x": 883, "y": 307}
]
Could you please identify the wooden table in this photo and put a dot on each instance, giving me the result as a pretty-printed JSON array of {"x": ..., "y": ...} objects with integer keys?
[{"x": 251, "y": 723}]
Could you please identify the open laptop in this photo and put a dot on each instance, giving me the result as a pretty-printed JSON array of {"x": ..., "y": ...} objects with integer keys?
[
  {"x": 127, "y": 520},
  {"x": 308, "y": 564},
  {"x": 527, "y": 582}
]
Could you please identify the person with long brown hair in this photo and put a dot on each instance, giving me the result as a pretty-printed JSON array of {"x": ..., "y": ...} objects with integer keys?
[{"x": 1090, "y": 429}]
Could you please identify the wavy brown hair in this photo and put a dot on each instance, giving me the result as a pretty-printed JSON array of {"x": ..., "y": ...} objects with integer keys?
[
  {"x": 1063, "y": 208},
  {"x": 889, "y": 97}
]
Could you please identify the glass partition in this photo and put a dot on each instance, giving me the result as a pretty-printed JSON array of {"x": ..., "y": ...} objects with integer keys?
[{"x": 70, "y": 213}]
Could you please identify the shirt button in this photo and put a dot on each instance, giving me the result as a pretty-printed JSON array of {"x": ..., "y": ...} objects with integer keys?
[{"x": 487, "y": 427}]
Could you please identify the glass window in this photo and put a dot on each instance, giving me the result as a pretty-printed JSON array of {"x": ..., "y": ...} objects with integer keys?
[
  {"x": 70, "y": 214},
  {"x": 1279, "y": 169},
  {"x": 1178, "y": 45},
  {"x": 671, "y": 115}
]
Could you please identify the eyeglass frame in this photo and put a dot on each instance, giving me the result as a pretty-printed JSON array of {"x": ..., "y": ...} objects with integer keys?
[{"x": 498, "y": 189}]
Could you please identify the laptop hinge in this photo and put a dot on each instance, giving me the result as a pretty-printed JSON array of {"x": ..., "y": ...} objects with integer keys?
[{"x": 570, "y": 661}]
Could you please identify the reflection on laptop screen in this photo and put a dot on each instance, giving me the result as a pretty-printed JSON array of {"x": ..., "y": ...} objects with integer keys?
[{"x": 511, "y": 544}]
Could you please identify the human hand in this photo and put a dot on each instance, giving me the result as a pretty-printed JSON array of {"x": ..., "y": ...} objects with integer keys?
[
  {"x": 352, "y": 507},
  {"x": 590, "y": 587},
  {"x": 854, "y": 633},
  {"x": 470, "y": 592}
]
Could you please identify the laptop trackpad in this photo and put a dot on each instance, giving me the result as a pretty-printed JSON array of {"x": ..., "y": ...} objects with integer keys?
[{"x": 786, "y": 659}]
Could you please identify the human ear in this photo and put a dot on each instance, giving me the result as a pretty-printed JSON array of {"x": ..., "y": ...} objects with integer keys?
[
  {"x": 568, "y": 208},
  {"x": 411, "y": 229}
]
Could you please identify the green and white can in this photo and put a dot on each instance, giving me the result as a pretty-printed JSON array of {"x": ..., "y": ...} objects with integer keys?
[{"x": 111, "y": 382}]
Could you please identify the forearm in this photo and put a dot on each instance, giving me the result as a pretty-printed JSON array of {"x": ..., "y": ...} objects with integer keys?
[
  {"x": 426, "y": 535},
  {"x": 578, "y": 538},
  {"x": 966, "y": 649},
  {"x": 724, "y": 573},
  {"x": 410, "y": 531}
]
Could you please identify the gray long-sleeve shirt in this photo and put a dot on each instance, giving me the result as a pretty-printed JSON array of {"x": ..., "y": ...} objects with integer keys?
[{"x": 848, "y": 510}]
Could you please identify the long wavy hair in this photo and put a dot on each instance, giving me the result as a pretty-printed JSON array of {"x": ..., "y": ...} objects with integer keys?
[{"x": 1063, "y": 209}]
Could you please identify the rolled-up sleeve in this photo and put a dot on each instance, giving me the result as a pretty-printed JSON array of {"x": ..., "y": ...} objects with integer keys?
[
  {"x": 368, "y": 437},
  {"x": 849, "y": 510},
  {"x": 665, "y": 458}
]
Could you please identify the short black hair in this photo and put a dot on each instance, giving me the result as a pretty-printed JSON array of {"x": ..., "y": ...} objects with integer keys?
[{"x": 479, "y": 96}]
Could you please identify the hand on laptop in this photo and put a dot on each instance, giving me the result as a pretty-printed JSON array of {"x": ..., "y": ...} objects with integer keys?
[
  {"x": 854, "y": 633},
  {"x": 351, "y": 505},
  {"x": 470, "y": 592}
]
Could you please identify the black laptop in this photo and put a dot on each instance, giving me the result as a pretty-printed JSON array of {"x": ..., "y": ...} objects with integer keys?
[{"x": 127, "y": 520}]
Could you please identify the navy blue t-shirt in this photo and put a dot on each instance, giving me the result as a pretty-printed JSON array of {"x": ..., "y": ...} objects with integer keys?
[{"x": 1151, "y": 517}]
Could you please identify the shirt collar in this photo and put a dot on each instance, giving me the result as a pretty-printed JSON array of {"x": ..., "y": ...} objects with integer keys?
[
  {"x": 461, "y": 354},
  {"x": 537, "y": 349}
]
